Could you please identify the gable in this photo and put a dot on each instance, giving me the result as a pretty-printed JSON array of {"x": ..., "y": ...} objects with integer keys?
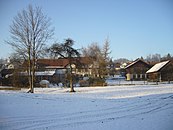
[
  {"x": 167, "y": 68},
  {"x": 138, "y": 63}
]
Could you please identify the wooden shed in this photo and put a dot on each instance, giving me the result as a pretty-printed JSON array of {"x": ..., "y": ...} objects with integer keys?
[{"x": 162, "y": 71}]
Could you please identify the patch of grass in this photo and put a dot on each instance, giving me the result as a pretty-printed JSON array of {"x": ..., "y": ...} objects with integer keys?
[{"x": 10, "y": 88}]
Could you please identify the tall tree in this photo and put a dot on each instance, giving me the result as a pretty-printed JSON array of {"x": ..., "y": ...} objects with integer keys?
[
  {"x": 29, "y": 32},
  {"x": 106, "y": 50},
  {"x": 104, "y": 59},
  {"x": 66, "y": 50}
]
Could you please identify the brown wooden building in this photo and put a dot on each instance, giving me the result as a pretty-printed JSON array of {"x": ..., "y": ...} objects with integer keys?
[
  {"x": 137, "y": 70},
  {"x": 162, "y": 71}
]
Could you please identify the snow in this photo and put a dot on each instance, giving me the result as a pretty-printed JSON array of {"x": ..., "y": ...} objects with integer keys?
[
  {"x": 133, "y": 107},
  {"x": 41, "y": 73},
  {"x": 45, "y": 73},
  {"x": 157, "y": 67},
  {"x": 44, "y": 83}
]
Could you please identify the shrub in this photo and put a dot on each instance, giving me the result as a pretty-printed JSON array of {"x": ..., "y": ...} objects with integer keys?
[
  {"x": 83, "y": 83},
  {"x": 97, "y": 81}
]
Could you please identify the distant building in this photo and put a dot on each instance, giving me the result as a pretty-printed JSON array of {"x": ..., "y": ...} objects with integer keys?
[
  {"x": 6, "y": 73},
  {"x": 5, "y": 76},
  {"x": 137, "y": 70},
  {"x": 162, "y": 71},
  {"x": 55, "y": 70}
]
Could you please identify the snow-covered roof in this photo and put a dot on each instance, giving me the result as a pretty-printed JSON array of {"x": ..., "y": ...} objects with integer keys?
[
  {"x": 54, "y": 67},
  {"x": 157, "y": 67},
  {"x": 41, "y": 73},
  {"x": 45, "y": 73}
]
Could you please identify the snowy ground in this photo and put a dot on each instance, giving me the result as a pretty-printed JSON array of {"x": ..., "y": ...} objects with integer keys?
[{"x": 134, "y": 107}]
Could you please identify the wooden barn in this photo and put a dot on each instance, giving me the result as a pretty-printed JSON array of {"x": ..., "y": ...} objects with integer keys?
[
  {"x": 162, "y": 71},
  {"x": 137, "y": 70}
]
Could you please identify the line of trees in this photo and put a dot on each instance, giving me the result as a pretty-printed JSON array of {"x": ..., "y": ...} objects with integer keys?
[{"x": 157, "y": 58}]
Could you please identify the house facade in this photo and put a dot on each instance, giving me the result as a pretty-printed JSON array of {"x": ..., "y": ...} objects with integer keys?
[
  {"x": 55, "y": 70},
  {"x": 6, "y": 71},
  {"x": 162, "y": 71},
  {"x": 137, "y": 70}
]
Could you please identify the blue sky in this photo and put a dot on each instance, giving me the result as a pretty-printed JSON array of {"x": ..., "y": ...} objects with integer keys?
[{"x": 135, "y": 28}]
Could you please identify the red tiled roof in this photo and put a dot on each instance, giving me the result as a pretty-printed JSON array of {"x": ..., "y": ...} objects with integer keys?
[
  {"x": 61, "y": 62},
  {"x": 53, "y": 62}
]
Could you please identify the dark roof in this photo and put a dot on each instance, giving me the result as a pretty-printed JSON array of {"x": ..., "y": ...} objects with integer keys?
[
  {"x": 53, "y": 62},
  {"x": 135, "y": 62}
]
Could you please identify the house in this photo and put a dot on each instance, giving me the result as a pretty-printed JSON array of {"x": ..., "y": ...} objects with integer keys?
[
  {"x": 5, "y": 76},
  {"x": 6, "y": 73},
  {"x": 55, "y": 70},
  {"x": 137, "y": 70},
  {"x": 162, "y": 71}
]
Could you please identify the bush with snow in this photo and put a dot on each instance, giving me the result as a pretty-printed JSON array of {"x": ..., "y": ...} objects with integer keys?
[{"x": 44, "y": 83}]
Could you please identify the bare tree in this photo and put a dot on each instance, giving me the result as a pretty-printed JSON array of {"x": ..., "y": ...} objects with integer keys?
[
  {"x": 153, "y": 58},
  {"x": 29, "y": 32},
  {"x": 93, "y": 52},
  {"x": 99, "y": 57},
  {"x": 67, "y": 51}
]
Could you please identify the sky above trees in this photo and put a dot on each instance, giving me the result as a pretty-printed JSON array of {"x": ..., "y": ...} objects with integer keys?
[{"x": 135, "y": 28}]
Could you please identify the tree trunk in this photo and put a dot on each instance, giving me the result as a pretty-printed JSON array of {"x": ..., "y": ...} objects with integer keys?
[
  {"x": 71, "y": 84},
  {"x": 71, "y": 79},
  {"x": 32, "y": 77},
  {"x": 33, "y": 66},
  {"x": 29, "y": 71}
]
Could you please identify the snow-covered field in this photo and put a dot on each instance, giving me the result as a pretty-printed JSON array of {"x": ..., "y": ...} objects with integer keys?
[{"x": 134, "y": 107}]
